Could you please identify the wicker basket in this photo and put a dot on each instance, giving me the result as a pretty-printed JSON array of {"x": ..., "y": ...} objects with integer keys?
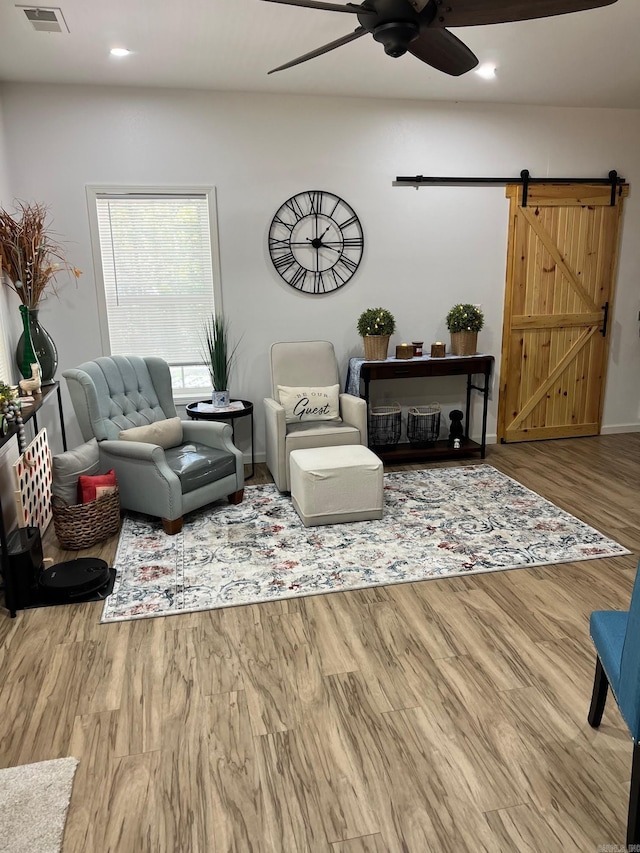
[
  {"x": 80, "y": 526},
  {"x": 423, "y": 425},
  {"x": 385, "y": 424},
  {"x": 464, "y": 343},
  {"x": 376, "y": 347}
]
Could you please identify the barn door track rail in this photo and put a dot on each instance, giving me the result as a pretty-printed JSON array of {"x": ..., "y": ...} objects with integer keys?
[{"x": 613, "y": 179}]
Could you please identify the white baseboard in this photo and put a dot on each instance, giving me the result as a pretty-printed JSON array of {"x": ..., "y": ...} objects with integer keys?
[{"x": 613, "y": 429}]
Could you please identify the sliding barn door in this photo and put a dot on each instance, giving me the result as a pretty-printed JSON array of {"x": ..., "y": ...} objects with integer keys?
[{"x": 561, "y": 267}]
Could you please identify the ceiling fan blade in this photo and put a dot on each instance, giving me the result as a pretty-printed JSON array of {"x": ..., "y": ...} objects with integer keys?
[
  {"x": 359, "y": 31},
  {"x": 472, "y": 13},
  {"x": 318, "y": 4},
  {"x": 443, "y": 51}
]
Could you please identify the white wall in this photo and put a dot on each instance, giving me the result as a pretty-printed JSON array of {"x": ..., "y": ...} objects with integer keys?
[
  {"x": 8, "y": 453},
  {"x": 425, "y": 249},
  {"x": 9, "y": 323}
]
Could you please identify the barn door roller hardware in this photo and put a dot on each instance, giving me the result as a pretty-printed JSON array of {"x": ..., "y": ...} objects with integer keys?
[{"x": 525, "y": 179}]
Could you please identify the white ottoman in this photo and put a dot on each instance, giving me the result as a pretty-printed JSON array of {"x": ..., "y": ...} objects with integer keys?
[{"x": 336, "y": 484}]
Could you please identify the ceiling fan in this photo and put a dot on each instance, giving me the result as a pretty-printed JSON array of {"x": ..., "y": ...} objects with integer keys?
[{"x": 418, "y": 26}]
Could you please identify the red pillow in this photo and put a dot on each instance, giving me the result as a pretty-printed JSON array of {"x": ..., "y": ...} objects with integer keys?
[{"x": 87, "y": 485}]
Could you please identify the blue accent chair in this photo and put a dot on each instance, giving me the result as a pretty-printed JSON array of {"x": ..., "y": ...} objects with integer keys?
[
  {"x": 616, "y": 636},
  {"x": 115, "y": 393}
]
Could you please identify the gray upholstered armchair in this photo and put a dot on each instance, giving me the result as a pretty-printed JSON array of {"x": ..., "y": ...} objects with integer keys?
[
  {"x": 120, "y": 393},
  {"x": 309, "y": 364}
]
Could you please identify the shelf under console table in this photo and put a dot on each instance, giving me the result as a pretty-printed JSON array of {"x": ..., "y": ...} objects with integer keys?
[
  {"x": 418, "y": 368},
  {"x": 29, "y": 413}
]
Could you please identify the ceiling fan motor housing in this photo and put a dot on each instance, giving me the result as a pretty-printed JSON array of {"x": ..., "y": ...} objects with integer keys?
[
  {"x": 393, "y": 23},
  {"x": 396, "y": 37}
]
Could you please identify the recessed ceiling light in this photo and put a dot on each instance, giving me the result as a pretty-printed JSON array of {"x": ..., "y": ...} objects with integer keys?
[
  {"x": 119, "y": 51},
  {"x": 486, "y": 70}
]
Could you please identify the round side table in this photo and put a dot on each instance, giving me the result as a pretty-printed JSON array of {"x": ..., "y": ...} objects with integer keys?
[{"x": 233, "y": 415}]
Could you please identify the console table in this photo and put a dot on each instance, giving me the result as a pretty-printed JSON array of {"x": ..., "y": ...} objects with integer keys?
[
  {"x": 416, "y": 368},
  {"x": 28, "y": 413}
]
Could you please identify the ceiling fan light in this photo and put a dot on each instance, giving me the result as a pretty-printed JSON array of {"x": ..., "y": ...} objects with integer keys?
[
  {"x": 396, "y": 37},
  {"x": 487, "y": 71},
  {"x": 119, "y": 51}
]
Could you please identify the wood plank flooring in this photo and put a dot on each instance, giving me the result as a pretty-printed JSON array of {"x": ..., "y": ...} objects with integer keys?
[{"x": 435, "y": 716}]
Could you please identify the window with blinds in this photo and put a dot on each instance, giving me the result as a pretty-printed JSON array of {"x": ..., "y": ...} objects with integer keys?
[{"x": 157, "y": 256}]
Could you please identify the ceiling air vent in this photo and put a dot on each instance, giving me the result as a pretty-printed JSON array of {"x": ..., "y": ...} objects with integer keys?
[{"x": 45, "y": 19}]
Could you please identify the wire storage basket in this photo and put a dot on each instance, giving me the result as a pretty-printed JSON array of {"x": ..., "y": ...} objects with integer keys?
[
  {"x": 423, "y": 425},
  {"x": 385, "y": 424}
]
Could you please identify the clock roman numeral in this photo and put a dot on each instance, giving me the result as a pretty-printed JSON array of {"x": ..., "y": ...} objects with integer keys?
[
  {"x": 315, "y": 201},
  {"x": 349, "y": 265},
  {"x": 353, "y": 242},
  {"x": 298, "y": 278},
  {"x": 287, "y": 225},
  {"x": 276, "y": 243},
  {"x": 318, "y": 282},
  {"x": 284, "y": 261},
  {"x": 339, "y": 276},
  {"x": 335, "y": 207},
  {"x": 351, "y": 221},
  {"x": 294, "y": 206}
]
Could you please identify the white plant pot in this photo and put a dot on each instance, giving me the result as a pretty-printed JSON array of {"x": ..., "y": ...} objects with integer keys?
[{"x": 220, "y": 398}]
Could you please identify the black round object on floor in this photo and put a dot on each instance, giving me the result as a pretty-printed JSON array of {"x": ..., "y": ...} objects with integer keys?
[{"x": 74, "y": 579}]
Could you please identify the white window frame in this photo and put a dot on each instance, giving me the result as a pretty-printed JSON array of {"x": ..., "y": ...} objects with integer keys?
[{"x": 93, "y": 192}]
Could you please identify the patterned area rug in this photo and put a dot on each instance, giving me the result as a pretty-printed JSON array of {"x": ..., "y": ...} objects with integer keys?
[{"x": 437, "y": 523}]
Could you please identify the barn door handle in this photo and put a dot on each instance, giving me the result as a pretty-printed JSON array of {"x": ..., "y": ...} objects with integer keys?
[{"x": 605, "y": 321}]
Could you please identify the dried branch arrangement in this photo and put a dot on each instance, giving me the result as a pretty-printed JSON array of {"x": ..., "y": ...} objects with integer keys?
[{"x": 30, "y": 259}]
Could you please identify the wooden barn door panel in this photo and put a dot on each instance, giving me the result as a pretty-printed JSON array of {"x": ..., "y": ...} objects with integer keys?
[{"x": 561, "y": 266}]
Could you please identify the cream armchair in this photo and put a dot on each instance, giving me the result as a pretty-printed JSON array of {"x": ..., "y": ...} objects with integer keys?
[{"x": 308, "y": 364}]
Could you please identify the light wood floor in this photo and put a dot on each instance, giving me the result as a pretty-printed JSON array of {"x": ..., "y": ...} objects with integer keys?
[{"x": 436, "y": 716}]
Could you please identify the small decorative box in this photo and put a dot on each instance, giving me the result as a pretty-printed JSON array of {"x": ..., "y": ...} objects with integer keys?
[
  {"x": 438, "y": 350},
  {"x": 404, "y": 351}
]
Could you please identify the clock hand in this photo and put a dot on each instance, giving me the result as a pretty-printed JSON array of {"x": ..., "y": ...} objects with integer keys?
[{"x": 317, "y": 244}]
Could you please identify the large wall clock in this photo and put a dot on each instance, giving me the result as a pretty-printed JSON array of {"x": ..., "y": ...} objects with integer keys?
[{"x": 316, "y": 242}]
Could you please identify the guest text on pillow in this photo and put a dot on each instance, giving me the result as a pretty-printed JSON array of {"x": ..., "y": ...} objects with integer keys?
[{"x": 310, "y": 404}]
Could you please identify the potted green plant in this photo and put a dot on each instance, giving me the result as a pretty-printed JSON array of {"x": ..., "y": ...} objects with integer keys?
[
  {"x": 9, "y": 406},
  {"x": 464, "y": 321},
  {"x": 7, "y": 394},
  {"x": 375, "y": 326},
  {"x": 219, "y": 356}
]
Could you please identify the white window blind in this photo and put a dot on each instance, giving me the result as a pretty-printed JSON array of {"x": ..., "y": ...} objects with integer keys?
[{"x": 158, "y": 275}]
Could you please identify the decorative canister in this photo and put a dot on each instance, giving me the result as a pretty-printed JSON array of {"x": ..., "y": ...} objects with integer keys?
[
  {"x": 417, "y": 348},
  {"x": 404, "y": 351}
]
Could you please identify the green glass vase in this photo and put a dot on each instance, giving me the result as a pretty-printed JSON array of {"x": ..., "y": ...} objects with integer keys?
[{"x": 36, "y": 346}]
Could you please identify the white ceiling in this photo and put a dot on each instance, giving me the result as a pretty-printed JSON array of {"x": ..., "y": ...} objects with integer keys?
[{"x": 588, "y": 59}]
